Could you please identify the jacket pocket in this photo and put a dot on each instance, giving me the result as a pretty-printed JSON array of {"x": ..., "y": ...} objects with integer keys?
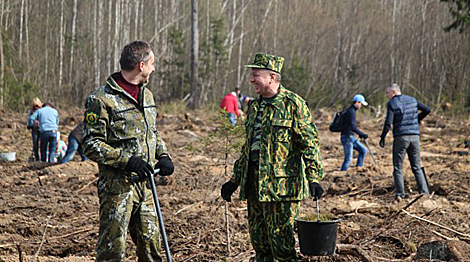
[
  {"x": 286, "y": 186},
  {"x": 282, "y": 129},
  {"x": 281, "y": 139},
  {"x": 126, "y": 124}
]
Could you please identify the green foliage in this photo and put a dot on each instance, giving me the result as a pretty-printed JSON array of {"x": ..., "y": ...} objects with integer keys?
[
  {"x": 460, "y": 11},
  {"x": 212, "y": 49},
  {"x": 296, "y": 77},
  {"x": 18, "y": 94},
  {"x": 225, "y": 139},
  {"x": 173, "y": 71}
]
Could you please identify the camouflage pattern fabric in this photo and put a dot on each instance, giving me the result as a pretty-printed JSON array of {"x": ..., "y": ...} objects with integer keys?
[
  {"x": 289, "y": 150},
  {"x": 125, "y": 206},
  {"x": 256, "y": 139},
  {"x": 266, "y": 61},
  {"x": 271, "y": 224},
  {"x": 117, "y": 127}
]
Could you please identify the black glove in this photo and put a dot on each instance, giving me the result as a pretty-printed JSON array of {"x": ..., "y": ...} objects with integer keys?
[
  {"x": 139, "y": 166},
  {"x": 363, "y": 136},
  {"x": 227, "y": 191},
  {"x": 382, "y": 142},
  {"x": 315, "y": 190},
  {"x": 165, "y": 165}
]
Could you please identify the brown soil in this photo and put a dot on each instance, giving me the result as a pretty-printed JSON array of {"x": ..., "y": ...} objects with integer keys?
[{"x": 51, "y": 211}]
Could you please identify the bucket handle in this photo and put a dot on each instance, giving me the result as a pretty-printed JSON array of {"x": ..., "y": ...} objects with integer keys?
[{"x": 318, "y": 210}]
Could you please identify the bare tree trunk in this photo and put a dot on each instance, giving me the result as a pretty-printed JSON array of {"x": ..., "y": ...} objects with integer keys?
[
  {"x": 230, "y": 43},
  {"x": 72, "y": 45},
  {"x": 2, "y": 63},
  {"x": 126, "y": 21},
  {"x": 117, "y": 22},
  {"x": 240, "y": 51},
  {"x": 109, "y": 47},
  {"x": 393, "y": 45},
  {"x": 194, "y": 100},
  {"x": 46, "y": 40},
  {"x": 97, "y": 31},
  {"x": 61, "y": 45},
  {"x": 20, "y": 52},
  {"x": 26, "y": 30},
  {"x": 136, "y": 19}
]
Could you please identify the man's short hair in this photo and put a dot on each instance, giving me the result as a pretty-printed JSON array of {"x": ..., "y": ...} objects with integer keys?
[
  {"x": 394, "y": 87},
  {"x": 134, "y": 53}
]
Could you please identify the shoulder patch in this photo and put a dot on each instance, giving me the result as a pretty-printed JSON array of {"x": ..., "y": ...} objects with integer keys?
[{"x": 91, "y": 118}]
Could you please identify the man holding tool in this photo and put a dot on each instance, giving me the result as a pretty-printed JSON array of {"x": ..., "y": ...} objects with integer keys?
[
  {"x": 120, "y": 134},
  {"x": 280, "y": 162},
  {"x": 402, "y": 112}
]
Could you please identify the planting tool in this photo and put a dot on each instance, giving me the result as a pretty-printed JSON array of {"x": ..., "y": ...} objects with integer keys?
[
  {"x": 425, "y": 177},
  {"x": 159, "y": 214},
  {"x": 370, "y": 151},
  {"x": 318, "y": 211}
]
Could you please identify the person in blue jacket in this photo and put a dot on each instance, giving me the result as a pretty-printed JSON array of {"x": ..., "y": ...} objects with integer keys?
[
  {"x": 402, "y": 112},
  {"x": 348, "y": 139},
  {"x": 48, "y": 125}
]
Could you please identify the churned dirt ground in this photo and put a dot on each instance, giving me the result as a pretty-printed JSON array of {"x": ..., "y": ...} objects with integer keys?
[{"x": 50, "y": 212}]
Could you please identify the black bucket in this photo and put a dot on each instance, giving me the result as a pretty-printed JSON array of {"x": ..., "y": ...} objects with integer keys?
[{"x": 317, "y": 238}]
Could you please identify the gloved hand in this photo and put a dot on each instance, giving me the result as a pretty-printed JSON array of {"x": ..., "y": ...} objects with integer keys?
[
  {"x": 315, "y": 190},
  {"x": 382, "y": 142},
  {"x": 165, "y": 165},
  {"x": 139, "y": 166},
  {"x": 363, "y": 136},
  {"x": 227, "y": 191}
]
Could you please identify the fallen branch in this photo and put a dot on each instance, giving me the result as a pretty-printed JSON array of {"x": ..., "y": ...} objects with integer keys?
[
  {"x": 71, "y": 234},
  {"x": 443, "y": 236},
  {"x": 42, "y": 241},
  {"x": 229, "y": 248},
  {"x": 388, "y": 219},
  {"x": 87, "y": 185},
  {"x": 435, "y": 224},
  {"x": 186, "y": 207}
]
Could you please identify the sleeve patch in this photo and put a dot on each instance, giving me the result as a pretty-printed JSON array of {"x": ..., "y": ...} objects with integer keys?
[{"x": 91, "y": 118}]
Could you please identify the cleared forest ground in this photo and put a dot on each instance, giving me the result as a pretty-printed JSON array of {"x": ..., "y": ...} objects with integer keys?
[{"x": 53, "y": 209}]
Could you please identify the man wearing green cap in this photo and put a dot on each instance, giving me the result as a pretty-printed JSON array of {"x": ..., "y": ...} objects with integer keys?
[{"x": 280, "y": 162}]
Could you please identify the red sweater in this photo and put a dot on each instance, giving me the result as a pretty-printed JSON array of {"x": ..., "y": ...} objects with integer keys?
[{"x": 230, "y": 104}]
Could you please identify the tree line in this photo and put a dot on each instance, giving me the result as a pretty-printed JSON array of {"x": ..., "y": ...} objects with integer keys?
[{"x": 61, "y": 50}]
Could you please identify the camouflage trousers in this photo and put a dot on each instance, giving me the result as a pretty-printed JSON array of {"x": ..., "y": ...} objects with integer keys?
[
  {"x": 126, "y": 205},
  {"x": 271, "y": 224}
]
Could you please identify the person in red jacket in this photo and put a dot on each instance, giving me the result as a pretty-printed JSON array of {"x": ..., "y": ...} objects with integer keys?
[{"x": 230, "y": 105}]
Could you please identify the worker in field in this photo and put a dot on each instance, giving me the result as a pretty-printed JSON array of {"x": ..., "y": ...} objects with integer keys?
[
  {"x": 349, "y": 141},
  {"x": 230, "y": 105},
  {"x": 280, "y": 162},
  {"x": 402, "y": 113},
  {"x": 120, "y": 134}
]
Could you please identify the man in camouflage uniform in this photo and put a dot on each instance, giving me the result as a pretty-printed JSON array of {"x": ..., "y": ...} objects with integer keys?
[
  {"x": 120, "y": 134},
  {"x": 279, "y": 164}
]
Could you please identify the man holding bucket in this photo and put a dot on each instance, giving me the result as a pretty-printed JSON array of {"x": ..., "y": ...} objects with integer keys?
[{"x": 280, "y": 162}]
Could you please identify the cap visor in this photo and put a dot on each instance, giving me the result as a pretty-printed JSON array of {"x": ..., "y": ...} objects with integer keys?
[
  {"x": 365, "y": 103},
  {"x": 254, "y": 66}
]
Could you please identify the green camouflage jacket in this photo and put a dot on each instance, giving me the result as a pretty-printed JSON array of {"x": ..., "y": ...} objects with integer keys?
[
  {"x": 289, "y": 150},
  {"x": 118, "y": 127}
]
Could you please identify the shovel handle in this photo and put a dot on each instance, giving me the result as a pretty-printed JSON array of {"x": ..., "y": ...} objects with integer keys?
[{"x": 159, "y": 214}]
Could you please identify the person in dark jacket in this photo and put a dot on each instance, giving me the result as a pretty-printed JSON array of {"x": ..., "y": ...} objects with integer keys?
[
  {"x": 34, "y": 126},
  {"x": 348, "y": 139},
  {"x": 402, "y": 112},
  {"x": 74, "y": 144}
]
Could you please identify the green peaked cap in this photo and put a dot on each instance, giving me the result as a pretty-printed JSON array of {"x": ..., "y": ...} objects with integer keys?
[{"x": 266, "y": 61}]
